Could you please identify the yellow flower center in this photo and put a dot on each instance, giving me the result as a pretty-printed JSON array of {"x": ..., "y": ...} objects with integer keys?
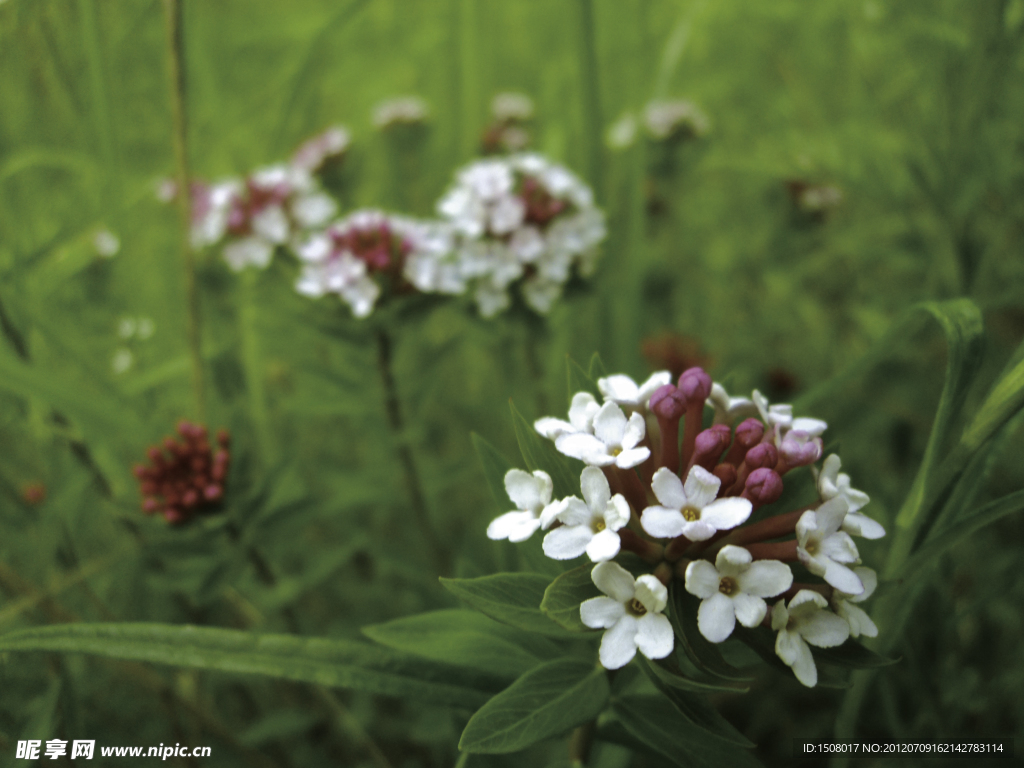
[
  {"x": 727, "y": 586},
  {"x": 812, "y": 548},
  {"x": 690, "y": 514},
  {"x": 599, "y": 525},
  {"x": 636, "y": 607}
]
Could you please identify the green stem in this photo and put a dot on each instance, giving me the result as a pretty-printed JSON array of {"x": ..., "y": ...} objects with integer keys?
[
  {"x": 580, "y": 743},
  {"x": 591, "y": 98},
  {"x": 413, "y": 484},
  {"x": 469, "y": 70},
  {"x": 176, "y": 73},
  {"x": 252, "y": 356}
]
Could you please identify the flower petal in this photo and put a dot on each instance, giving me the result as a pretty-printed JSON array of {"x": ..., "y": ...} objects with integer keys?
[
  {"x": 842, "y": 578},
  {"x": 552, "y": 428},
  {"x": 766, "y": 578},
  {"x": 601, "y": 612},
  {"x": 859, "y": 524},
  {"x": 654, "y": 636},
  {"x": 795, "y": 652},
  {"x": 614, "y": 580},
  {"x": 840, "y": 547},
  {"x": 582, "y": 411},
  {"x": 514, "y": 526},
  {"x": 619, "y": 388},
  {"x": 716, "y": 617},
  {"x": 610, "y": 424},
  {"x": 750, "y": 610},
  {"x": 649, "y": 387},
  {"x": 780, "y": 616},
  {"x": 567, "y": 542},
  {"x": 586, "y": 448},
  {"x": 575, "y": 512},
  {"x": 668, "y": 488},
  {"x": 616, "y": 514},
  {"x": 829, "y": 516},
  {"x": 662, "y": 522},
  {"x": 550, "y": 513},
  {"x": 702, "y": 579},
  {"x": 824, "y": 629},
  {"x": 698, "y": 530},
  {"x": 860, "y": 623},
  {"x": 727, "y": 513},
  {"x": 632, "y": 458},
  {"x": 596, "y": 491},
  {"x": 604, "y": 546},
  {"x": 870, "y": 581},
  {"x": 701, "y": 487},
  {"x": 528, "y": 491},
  {"x": 634, "y": 432},
  {"x": 651, "y": 593},
  {"x": 618, "y": 646}
]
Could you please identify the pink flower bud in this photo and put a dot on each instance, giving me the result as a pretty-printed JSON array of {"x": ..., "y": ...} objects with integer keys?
[
  {"x": 763, "y": 486},
  {"x": 762, "y": 455},
  {"x": 799, "y": 449},
  {"x": 668, "y": 402},
  {"x": 709, "y": 445},
  {"x": 749, "y": 433},
  {"x": 695, "y": 385},
  {"x": 727, "y": 474}
]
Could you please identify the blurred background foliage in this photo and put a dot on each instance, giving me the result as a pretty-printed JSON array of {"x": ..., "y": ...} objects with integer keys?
[{"x": 909, "y": 115}]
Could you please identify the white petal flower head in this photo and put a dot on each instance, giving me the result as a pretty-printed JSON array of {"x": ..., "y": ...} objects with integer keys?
[
  {"x": 248, "y": 252},
  {"x": 730, "y": 410},
  {"x": 621, "y": 389},
  {"x": 779, "y": 415},
  {"x": 614, "y": 442},
  {"x": 590, "y": 525},
  {"x": 733, "y": 589},
  {"x": 843, "y": 604},
  {"x": 631, "y": 615},
  {"x": 582, "y": 411},
  {"x": 691, "y": 509},
  {"x": 833, "y": 483},
  {"x": 805, "y": 621},
  {"x": 825, "y": 550},
  {"x": 532, "y": 495}
]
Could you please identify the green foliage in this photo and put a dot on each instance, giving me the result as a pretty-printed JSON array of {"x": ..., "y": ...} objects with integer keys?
[
  {"x": 512, "y": 598},
  {"x": 563, "y": 596}
]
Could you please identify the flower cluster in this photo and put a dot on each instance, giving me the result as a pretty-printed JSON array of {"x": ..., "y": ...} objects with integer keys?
[
  {"x": 187, "y": 476},
  {"x": 524, "y": 218},
  {"x": 508, "y": 131},
  {"x": 681, "y": 496}
]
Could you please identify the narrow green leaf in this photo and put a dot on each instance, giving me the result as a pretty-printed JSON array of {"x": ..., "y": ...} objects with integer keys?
[
  {"x": 1004, "y": 400},
  {"x": 338, "y": 663},
  {"x": 668, "y": 674},
  {"x": 563, "y": 596},
  {"x": 539, "y": 453},
  {"x": 579, "y": 380},
  {"x": 465, "y": 639},
  {"x": 549, "y": 700},
  {"x": 511, "y": 598},
  {"x": 495, "y": 466},
  {"x": 596, "y": 369},
  {"x": 657, "y": 723},
  {"x": 699, "y": 650},
  {"x": 853, "y": 655}
]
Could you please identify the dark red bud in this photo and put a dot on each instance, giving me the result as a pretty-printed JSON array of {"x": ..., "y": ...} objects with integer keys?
[
  {"x": 727, "y": 474},
  {"x": 762, "y": 455},
  {"x": 149, "y": 506},
  {"x": 749, "y": 432},
  {"x": 763, "y": 486},
  {"x": 223, "y": 438},
  {"x": 189, "y": 498},
  {"x": 668, "y": 402},
  {"x": 695, "y": 385},
  {"x": 709, "y": 445},
  {"x": 213, "y": 492}
]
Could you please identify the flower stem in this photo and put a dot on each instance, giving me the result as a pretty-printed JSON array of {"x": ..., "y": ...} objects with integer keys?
[
  {"x": 783, "y": 550},
  {"x": 176, "y": 73},
  {"x": 580, "y": 742},
  {"x": 591, "y": 97},
  {"x": 413, "y": 485},
  {"x": 252, "y": 356}
]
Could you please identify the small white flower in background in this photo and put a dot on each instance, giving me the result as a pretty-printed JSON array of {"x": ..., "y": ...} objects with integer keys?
[
  {"x": 622, "y": 133},
  {"x": 404, "y": 110},
  {"x": 106, "y": 243},
  {"x": 614, "y": 441},
  {"x": 833, "y": 483},
  {"x": 165, "y": 189},
  {"x": 733, "y": 589},
  {"x": 122, "y": 360},
  {"x": 631, "y": 615},
  {"x": 511, "y": 107},
  {"x": 332, "y": 142},
  {"x": 842, "y": 603},
  {"x": 145, "y": 328},
  {"x": 621, "y": 389},
  {"x": 520, "y": 217},
  {"x": 779, "y": 415},
  {"x": 665, "y": 119},
  {"x": 126, "y": 327},
  {"x": 531, "y": 493},
  {"x": 582, "y": 410},
  {"x": 691, "y": 509},
  {"x": 729, "y": 410},
  {"x": 589, "y": 525},
  {"x": 825, "y": 550},
  {"x": 805, "y": 621}
]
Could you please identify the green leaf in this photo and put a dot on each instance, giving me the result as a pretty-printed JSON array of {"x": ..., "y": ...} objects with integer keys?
[
  {"x": 763, "y": 644},
  {"x": 511, "y": 598},
  {"x": 1004, "y": 400},
  {"x": 337, "y": 663},
  {"x": 563, "y": 596},
  {"x": 539, "y": 453},
  {"x": 495, "y": 466},
  {"x": 656, "y": 722},
  {"x": 853, "y": 655},
  {"x": 699, "y": 650},
  {"x": 668, "y": 674},
  {"x": 547, "y": 701},
  {"x": 465, "y": 639},
  {"x": 596, "y": 369},
  {"x": 579, "y": 380}
]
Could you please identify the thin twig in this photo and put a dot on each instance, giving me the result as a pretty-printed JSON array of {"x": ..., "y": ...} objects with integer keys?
[{"x": 176, "y": 72}]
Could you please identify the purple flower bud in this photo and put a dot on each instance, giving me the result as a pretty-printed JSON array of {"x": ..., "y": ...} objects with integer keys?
[
  {"x": 727, "y": 474},
  {"x": 749, "y": 432},
  {"x": 762, "y": 455},
  {"x": 695, "y": 385},
  {"x": 709, "y": 445},
  {"x": 799, "y": 448},
  {"x": 763, "y": 486},
  {"x": 667, "y": 402}
]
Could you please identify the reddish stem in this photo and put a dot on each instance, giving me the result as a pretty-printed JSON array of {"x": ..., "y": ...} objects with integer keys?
[
  {"x": 669, "y": 444},
  {"x": 763, "y": 530},
  {"x": 677, "y": 548},
  {"x": 691, "y": 428},
  {"x": 650, "y": 551},
  {"x": 782, "y": 550},
  {"x": 632, "y": 488}
]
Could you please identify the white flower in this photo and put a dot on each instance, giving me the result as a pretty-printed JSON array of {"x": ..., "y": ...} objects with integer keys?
[
  {"x": 511, "y": 107},
  {"x": 805, "y": 621},
  {"x": 631, "y": 615},
  {"x": 404, "y": 110},
  {"x": 824, "y": 549},
  {"x": 779, "y": 415},
  {"x": 614, "y": 441},
  {"x": 665, "y": 118},
  {"x": 691, "y": 510},
  {"x": 729, "y": 410},
  {"x": 842, "y": 603},
  {"x": 734, "y": 589},
  {"x": 122, "y": 360},
  {"x": 589, "y": 526},
  {"x": 532, "y": 495},
  {"x": 582, "y": 410},
  {"x": 106, "y": 243},
  {"x": 621, "y": 389},
  {"x": 832, "y": 483},
  {"x": 248, "y": 252},
  {"x": 622, "y": 133},
  {"x": 312, "y": 154}
]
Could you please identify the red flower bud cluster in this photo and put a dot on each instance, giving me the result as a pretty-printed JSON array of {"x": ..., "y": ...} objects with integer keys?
[{"x": 186, "y": 476}]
